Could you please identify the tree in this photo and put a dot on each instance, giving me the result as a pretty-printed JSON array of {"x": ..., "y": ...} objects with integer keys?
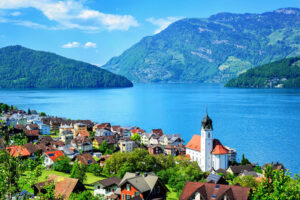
[
  {"x": 277, "y": 184},
  {"x": 86, "y": 195},
  {"x": 103, "y": 146},
  {"x": 245, "y": 161},
  {"x": 29, "y": 112},
  {"x": 78, "y": 171},
  {"x": 62, "y": 164},
  {"x": 136, "y": 137},
  {"x": 42, "y": 114},
  {"x": 95, "y": 169},
  {"x": 15, "y": 172},
  {"x": 245, "y": 181}
]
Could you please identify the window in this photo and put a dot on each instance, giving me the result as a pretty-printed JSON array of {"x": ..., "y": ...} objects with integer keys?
[
  {"x": 99, "y": 187},
  {"x": 208, "y": 135},
  {"x": 136, "y": 194},
  {"x": 123, "y": 197},
  {"x": 158, "y": 189},
  {"x": 128, "y": 197},
  {"x": 213, "y": 196},
  {"x": 128, "y": 187}
]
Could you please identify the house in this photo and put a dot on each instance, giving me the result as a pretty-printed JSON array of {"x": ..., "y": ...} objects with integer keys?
[
  {"x": 275, "y": 166},
  {"x": 205, "y": 150},
  {"x": 137, "y": 130},
  {"x": 32, "y": 127},
  {"x": 145, "y": 138},
  {"x": 82, "y": 144},
  {"x": 32, "y": 149},
  {"x": 32, "y": 135},
  {"x": 44, "y": 129},
  {"x": 46, "y": 140},
  {"x": 80, "y": 129},
  {"x": 238, "y": 169},
  {"x": 109, "y": 139},
  {"x": 86, "y": 159},
  {"x": 154, "y": 140},
  {"x": 63, "y": 186},
  {"x": 155, "y": 149},
  {"x": 250, "y": 173},
  {"x": 157, "y": 132},
  {"x": 170, "y": 150},
  {"x": 116, "y": 129},
  {"x": 106, "y": 187},
  {"x": 146, "y": 186},
  {"x": 51, "y": 156},
  {"x": 103, "y": 132},
  {"x": 197, "y": 191},
  {"x": 231, "y": 154},
  {"x": 65, "y": 129},
  {"x": 216, "y": 179},
  {"x": 66, "y": 137},
  {"x": 69, "y": 151},
  {"x": 126, "y": 146},
  {"x": 102, "y": 126},
  {"x": 171, "y": 139}
]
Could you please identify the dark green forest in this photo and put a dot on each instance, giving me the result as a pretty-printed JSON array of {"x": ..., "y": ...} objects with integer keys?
[
  {"x": 25, "y": 68},
  {"x": 283, "y": 73}
]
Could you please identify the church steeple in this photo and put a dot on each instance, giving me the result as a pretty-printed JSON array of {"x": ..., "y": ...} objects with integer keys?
[{"x": 207, "y": 122}]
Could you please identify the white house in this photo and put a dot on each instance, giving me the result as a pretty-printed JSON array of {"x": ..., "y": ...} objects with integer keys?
[
  {"x": 106, "y": 187},
  {"x": 146, "y": 137},
  {"x": 103, "y": 132},
  {"x": 205, "y": 150},
  {"x": 126, "y": 146},
  {"x": 51, "y": 156}
]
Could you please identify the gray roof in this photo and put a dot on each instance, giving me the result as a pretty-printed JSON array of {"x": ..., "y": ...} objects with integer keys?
[
  {"x": 148, "y": 135},
  {"x": 141, "y": 182},
  {"x": 213, "y": 177},
  {"x": 109, "y": 181}
]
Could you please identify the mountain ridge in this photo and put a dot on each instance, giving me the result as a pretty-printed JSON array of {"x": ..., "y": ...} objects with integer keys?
[
  {"x": 21, "y": 67},
  {"x": 212, "y": 49}
]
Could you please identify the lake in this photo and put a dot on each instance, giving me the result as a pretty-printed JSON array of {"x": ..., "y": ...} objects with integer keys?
[{"x": 264, "y": 124}]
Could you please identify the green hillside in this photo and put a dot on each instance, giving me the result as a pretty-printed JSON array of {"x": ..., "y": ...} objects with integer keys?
[
  {"x": 25, "y": 68},
  {"x": 214, "y": 49},
  {"x": 284, "y": 73}
]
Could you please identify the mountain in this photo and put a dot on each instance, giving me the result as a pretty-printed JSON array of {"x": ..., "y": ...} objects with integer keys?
[
  {"x": 283, "y": 73},
  {"x": 25, "y": 68},
  {"x": 214, "y": 49}
]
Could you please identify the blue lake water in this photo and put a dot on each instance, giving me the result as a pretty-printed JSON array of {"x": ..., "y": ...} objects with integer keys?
[{"x": 264, "y": 124}]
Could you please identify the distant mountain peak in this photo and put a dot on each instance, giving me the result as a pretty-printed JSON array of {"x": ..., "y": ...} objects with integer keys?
[
  {"x": 214, "y": 49},
  {"x": 288, "y": 11}
]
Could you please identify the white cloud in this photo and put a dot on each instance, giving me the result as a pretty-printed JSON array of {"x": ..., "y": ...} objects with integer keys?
[
  {"x": 72, "y": 14},
  {"x": 71, "y": 45},
  {"x": 162, "y": 23},
  {"x": 15, "y": 14},
  {"x": 90, "y": 45}
]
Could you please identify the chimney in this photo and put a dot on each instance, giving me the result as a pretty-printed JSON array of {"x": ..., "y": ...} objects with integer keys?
[{"x": 137, "y": 173}]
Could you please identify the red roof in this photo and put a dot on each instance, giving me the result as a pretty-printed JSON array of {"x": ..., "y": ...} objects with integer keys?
[
  {"x": 54, "y": 154},
  {"x": 18, "y": 150},
  {"x": 194, "y": 143},
  {"x": 137, "y": 130},
  {"x": 83, "y": 133},
  {"x": 218, "y": 148}
]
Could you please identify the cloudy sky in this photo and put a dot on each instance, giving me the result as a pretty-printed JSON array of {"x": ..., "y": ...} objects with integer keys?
[{"x": 96, "y": 30}]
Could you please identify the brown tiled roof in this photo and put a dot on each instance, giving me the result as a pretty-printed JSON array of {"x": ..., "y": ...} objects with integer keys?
[
  {"x": 109, "y": 139},
  {"x": 214, "y": 191},
  {"x": 63, "y": 186},
  {"x": 116, "y": 128},
  {"x": 158, "y": 132},
  {"x": 83, "y": 133},
  {"x": 18, "y": 151},
  {"x": 45, "y": 140},
  {"x": 218, "y": 148},
  {"x": 20, "y": 127},
  {"x": 109, "y": 181},
  {"x": 33, "y": 126},
  {"x": 30, "y": 147},
  {"x": 194, "y": 143},
  {"x": 32, "y": 133},
  {"x": 86, "y": 159},
  {"x": 42, "y": 147},
  {"x": 80, "y": 140}
]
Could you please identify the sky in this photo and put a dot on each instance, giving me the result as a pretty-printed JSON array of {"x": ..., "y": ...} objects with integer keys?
[{"x": 96, "y": 30}]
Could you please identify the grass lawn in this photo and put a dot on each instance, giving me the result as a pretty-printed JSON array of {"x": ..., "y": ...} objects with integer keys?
[
  {"x": 90, "y": 178},
  {"x": 172, "y": 195}
]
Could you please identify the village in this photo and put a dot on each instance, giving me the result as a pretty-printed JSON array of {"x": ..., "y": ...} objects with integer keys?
[{"x": 119, "y": 162}]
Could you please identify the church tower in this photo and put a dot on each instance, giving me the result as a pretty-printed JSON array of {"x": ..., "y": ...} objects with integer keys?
[{"x": 206, "y": 143}]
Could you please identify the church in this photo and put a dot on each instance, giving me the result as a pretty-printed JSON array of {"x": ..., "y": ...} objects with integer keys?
[{"x": 208, "y": 152}]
